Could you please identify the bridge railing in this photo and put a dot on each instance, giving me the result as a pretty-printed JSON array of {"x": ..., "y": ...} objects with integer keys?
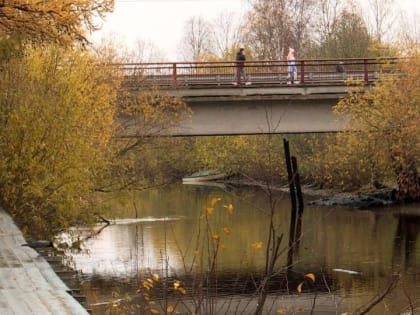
[{"x": 315, "y": 71}]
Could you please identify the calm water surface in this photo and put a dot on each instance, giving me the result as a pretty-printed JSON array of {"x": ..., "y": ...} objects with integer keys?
[{"x": 353, "y": 253}]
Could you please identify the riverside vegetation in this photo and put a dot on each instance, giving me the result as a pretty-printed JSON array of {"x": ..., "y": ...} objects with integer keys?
[{"x": 60, "y": 107}]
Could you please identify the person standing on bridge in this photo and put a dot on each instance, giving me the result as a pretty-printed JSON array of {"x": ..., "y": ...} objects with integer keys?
[
  {"x": 291, "y": 69},
  {"x": 240, "y": 68}
]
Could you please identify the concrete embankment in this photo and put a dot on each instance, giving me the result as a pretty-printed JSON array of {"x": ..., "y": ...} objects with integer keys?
[{"x": 28, "y": 284}]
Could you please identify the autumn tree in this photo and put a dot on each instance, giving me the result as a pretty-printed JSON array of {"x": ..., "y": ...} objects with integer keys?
[
  {"x": 381, "y": 17},
  {"x": 63, "y": 21},
  {"x": 327, "y": 12},
  {"x": 409, "y": 31},
  {"x": 348, "y": 37},
  {"x": 196, "y": 39},
  {"x": 387, "y": 120},
  {"x": 271, "y": 26},
  {"x": 56, "y": 122},
  {"x": 145, "y": 51},
  {"x": 268, "y": 28},
  {"x": 226, "y": 35}
]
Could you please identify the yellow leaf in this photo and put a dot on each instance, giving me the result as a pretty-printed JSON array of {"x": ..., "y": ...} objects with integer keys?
[
  {"x": 299, "y": 287},
  {"x": 216, "y": 237},
  {"x": 170, "y": 309},
  {"x": 146, "y": 284},
  {"x": 281, "y": 311},
  {"x": 209, "y": 210},
  {"x": 177, "y": 284},
  {"x": 310, "y": 276},
  {"x": 155, "y": 277},
  {"x": 182, "y": 291},
  {"x": 257, "y": 245},
  {"x": 214, "y": 200},
  {"x": 229, "y": 208},
  {"x": 154, "y": 311},
  {"x": 222, "y": 246},
  {"x": 226, "y": 230}
]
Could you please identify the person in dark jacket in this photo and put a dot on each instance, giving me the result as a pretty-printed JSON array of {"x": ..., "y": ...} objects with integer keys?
[{"x": 240, "y": 67}]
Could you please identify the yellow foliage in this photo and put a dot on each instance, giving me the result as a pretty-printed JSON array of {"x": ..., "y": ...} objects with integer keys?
[
  {"x": 209, "y": 210},
  {"x": 256, "y": 156},
  {"x": 299, "y": 287},
  {"x": 63, "y": 21},
  {"x": 226, "y": 230},
  {"x": 257, "y": 245},
  {"x": 229, "y": 208},
  {"x": 387, "y": 120},
  {"x": 57, "y": 110},
  {"x": 147, "y": 284},
  {"x": 214, "y": 200},
  {"x": 310, "y": 276},
  {"x": 177, "y": 284}
]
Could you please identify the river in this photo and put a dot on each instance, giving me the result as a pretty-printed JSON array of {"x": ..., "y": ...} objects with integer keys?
[{"x": 171, "y": 234}]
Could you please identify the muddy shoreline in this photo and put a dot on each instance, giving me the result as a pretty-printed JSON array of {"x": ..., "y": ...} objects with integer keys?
[{"x": 332, "y": 197}]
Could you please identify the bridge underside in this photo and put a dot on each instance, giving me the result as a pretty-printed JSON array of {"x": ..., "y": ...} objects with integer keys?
[
  {"x": 260, "y": 117},
  {"x": 256, "y": 110},
  {"x": 260, "y": 111}
]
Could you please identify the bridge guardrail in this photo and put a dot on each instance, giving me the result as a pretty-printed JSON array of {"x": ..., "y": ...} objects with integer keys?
[{"x": 313, "y": 71}]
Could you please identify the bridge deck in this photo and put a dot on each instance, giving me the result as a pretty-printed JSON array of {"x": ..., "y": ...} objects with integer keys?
[{"x": 28, "y": 284}]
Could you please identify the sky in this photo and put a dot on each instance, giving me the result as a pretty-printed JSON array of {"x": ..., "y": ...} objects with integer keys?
[{"x": 162, "y": 22}]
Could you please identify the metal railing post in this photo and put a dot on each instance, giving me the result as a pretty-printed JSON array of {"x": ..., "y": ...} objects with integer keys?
[
  {"x": 302, "y": 71},
  {"x": 366, "y": 71},
  {"x": 174, "y": 74}
]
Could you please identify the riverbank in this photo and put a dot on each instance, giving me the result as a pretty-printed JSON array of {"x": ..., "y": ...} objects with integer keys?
[
  {"x": 28, "y": 284},
  {"x": 331, "y": 197}
]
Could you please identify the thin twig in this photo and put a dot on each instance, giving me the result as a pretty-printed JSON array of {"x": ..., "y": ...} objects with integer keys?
[{"x": 378, "y": 298}]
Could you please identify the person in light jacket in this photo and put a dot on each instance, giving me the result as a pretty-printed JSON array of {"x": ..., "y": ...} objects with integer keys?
[{"x": 291, "y": 69}]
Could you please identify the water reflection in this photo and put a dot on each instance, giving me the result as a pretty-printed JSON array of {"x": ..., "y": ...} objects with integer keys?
[
  {"x": 407, "y": 233},
  {"x": 375, "y": 245}
]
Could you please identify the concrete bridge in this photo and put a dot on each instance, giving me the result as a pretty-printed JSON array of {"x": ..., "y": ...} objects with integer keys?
[{"x": 266, "y": 102}]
